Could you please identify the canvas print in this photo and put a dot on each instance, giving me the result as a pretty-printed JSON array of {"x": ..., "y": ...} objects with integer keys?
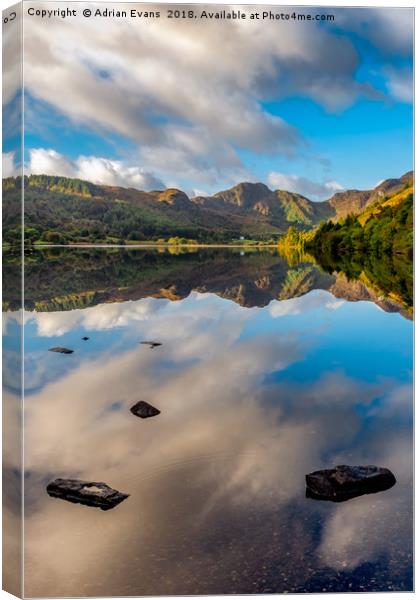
[{"x": 207, "y": 299}]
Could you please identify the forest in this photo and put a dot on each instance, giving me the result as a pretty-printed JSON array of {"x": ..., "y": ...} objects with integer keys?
[{"x": 375, "y": 246}]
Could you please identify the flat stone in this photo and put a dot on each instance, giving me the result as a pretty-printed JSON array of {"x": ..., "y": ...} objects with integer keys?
[
  {"x": 345, "y": 482},
  {"x": 144, "y": 410},
  {"x": 152, "y": 344},
  {"x": 90, "y": 493},
  {"x": 61, "y": 350}
]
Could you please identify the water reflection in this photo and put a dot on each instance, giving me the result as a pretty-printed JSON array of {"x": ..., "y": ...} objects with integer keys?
[
  {"x": 251, "y": 400},
  {"x": 65, "y": 279}
]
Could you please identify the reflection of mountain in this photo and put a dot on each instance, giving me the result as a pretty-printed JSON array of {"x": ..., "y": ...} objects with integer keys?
[
  {"x": 67, "y": 279},
  {"x": 356, "y": 290},
  {"x": 60, "y": 210}
]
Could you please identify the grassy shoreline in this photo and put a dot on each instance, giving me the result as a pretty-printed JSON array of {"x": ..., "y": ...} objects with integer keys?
[{"x": 146, "y": 245}]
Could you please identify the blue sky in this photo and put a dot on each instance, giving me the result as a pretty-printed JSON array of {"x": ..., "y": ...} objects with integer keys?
[{"x": 308, "y": 107}]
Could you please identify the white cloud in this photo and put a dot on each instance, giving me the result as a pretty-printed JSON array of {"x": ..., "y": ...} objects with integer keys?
[
  {"x": 186, "y": 107},
  {"x": 400, "y": 83},
  {"x": 96, "y": 318},
  {"x": 302, "y": 304},
  {"x": 304, "y": 186},
  {"x": 92, "y": 168},
  {"x": 192, "y": 96},
  {"x": 9, "y": 168},
  {"x": 115, "y": 172},
  {"x": 196, "y": 193},
  {"x": 390, "y": 30},
  {"x": 194, "y": 154},
  {"x": 12, "y": 56},
  {"x": 49, "y": 162}
]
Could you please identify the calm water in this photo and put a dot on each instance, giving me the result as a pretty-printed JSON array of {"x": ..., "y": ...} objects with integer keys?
[{"x": 266, "y": 372}]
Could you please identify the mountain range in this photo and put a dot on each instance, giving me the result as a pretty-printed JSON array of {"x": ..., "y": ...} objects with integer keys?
[{"x": 63, "y": 210}]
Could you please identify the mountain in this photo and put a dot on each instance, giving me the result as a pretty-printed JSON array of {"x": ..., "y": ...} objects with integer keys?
[
  {"x": 374, "y": 246},
  {"x": 355, "y": 201},
  {"x": 384, "y": 226},
  {"x": 63, "y": 210},
  {"x": 277, "y": 207}
]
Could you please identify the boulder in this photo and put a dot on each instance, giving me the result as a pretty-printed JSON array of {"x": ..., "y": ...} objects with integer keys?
[
  {"x": 344, "y": 482},
  {"x": 91, "y": 493},
  {"x": 61, "y": 350},
  {"x": 144, "y": 410}
]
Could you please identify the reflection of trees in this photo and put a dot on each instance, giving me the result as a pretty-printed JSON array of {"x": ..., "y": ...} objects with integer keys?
[
  {"x": 390, "y": 276},
  {"x": 65, "y": 279}
]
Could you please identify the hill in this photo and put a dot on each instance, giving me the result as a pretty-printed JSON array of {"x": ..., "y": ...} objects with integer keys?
[
  {"x": 62, "y": 210},
  {"x": 375, "y": 246},
  {"x": 385, "y": 226}
]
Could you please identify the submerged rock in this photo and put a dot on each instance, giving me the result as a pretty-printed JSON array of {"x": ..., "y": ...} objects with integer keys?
[
  {"x": 61, "y": 350},
  {"x": 344, "y": 482},
  {"x": 152, "y": 344},
  {"x": 90, "y": 493},
  {"x": 144, "y": 410},
  {"x": 85, "y": 338}
]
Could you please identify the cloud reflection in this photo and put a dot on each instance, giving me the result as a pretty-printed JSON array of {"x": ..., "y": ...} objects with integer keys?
[{"x": 217, "y": 498}]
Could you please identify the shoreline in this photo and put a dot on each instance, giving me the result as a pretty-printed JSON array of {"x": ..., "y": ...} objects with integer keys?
[{"x": 151, "y": 245}]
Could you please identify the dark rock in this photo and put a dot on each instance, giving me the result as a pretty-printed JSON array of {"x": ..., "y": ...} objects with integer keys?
[
  {"x": 144, "y": 410},
  {"x": 345, "y": 482},
  {"x": 90, "y": 493},
  {"x": 61, "y": 350},
  {"x": 85, "y": 338},
  {"x": 152, "y": 344}
]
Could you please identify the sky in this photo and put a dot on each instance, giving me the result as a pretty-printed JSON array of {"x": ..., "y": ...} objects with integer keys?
[{"x": 313, "y": 107}]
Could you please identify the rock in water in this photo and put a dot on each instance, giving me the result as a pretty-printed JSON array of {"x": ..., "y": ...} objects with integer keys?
[
  {"x": 345, "y": 482},
  {"x": 85, "y": 338},
  {"x": 90, "y": 493},
  {"x": 152, "y": 344},
  {"x": 61, "y": 350},
  {"x": 144, "y": 410}
]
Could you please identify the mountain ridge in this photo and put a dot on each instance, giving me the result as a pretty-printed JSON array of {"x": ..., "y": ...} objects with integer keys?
[{"x": 79, "y": 210}]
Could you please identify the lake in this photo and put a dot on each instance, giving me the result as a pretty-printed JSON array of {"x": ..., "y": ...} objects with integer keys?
[{"x": 268, "y": 369}]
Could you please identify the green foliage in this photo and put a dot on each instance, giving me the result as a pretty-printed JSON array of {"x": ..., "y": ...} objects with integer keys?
[
  {"x": 296, "y": 241},
  {"x": 380, "y": 251},
  {"x": 61, "y": 184},
  {"x": 10, "y": 183},
  {"x": 177, "y": 241},
  {"x": 14, "y": 235},
  {"x": 53, "y": 237},
  {"x": 389, "y": 275},
  {"x": 389, "y": 231},
  {"x": 75, "y": 211}
]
